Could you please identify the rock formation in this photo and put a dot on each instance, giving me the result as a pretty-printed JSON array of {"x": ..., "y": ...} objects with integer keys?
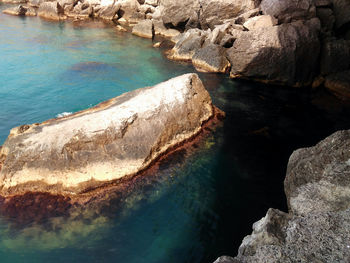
[
  {"x": 317, "y": 227},
  {"x": 115, "y": 139},
  {"x": 235, "y": 31}
]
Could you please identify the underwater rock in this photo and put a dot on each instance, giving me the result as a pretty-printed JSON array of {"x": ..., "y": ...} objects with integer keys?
[{"x": 116, "y": 139}]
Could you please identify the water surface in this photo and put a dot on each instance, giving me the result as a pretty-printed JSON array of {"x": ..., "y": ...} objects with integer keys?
[{"x": 201, "y": 203}]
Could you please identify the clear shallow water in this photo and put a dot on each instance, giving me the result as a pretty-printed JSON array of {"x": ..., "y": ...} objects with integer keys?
[{"x": 201, "y": 203}]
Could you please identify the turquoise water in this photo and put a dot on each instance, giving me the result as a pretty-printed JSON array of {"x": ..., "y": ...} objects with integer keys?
[{"x": 202, "y": 201}]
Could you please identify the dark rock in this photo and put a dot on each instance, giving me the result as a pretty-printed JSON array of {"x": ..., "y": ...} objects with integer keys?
[
  {"x": 211, "y": 58},
  {"x": 178, "y": 13},
  {"x": 279, "y": 54},
  {"x": 214, "y": 12},
  {"x": 335, "y": 56},
  {"x": 323, "y": 3},
  {"x": 317, "y": 227},
  {"x": 341, "y": 10},
  {"x": 288, "y": 10},
  {"x": 326, "y": 17},
  {"x": 143, "y": 29},
  {"x": 339, "y": 84}
]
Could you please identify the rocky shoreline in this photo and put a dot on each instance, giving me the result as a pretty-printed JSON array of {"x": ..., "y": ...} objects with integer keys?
[
  {"x": 317, "y": 226},
  {"x": 294, "y": 43}
]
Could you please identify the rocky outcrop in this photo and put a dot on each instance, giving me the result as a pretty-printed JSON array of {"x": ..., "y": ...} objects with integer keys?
[
  {"x": 290, "y": 10},
  {"x": 278, "y": 54},
  {"x": 180, "y": 13},
  {"x": 51, "y": 10},
  {"x": 215, "y": 12},
  {"x": 116, "y": 139},
  {"x": 211, "y": 58},
  {"x": 284, "y": 42},
  {"x": 143, "y": 29},
  {"x": 317, "y": 227}
]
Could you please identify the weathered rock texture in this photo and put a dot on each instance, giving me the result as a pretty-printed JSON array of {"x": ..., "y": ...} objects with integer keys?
[
  {"x": 279, "y": 54},
  {"x": 117, "y": 138},
  {"x": 317, "y": 227},
  {"x": 285, "y": 42}
]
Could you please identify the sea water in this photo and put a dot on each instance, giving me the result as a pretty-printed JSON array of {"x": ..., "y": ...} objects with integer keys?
[{"x": 199, "y": 205}]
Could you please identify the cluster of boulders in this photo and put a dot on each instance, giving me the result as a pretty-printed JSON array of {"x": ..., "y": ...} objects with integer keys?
[
  {"x": 289, "y": 42},
  {"x": 317, "y": 226}
]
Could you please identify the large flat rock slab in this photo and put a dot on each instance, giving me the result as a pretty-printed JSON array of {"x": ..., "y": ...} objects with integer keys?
[{"x": 115, "y": 139}]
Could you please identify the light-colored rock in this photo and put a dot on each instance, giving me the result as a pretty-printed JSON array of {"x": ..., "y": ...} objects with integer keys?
[
  {"x": 260, "y": 22},
  {"x": 51, "y": 10},
  {"x": 187, "y": 45},
  {"x": 115, "y": 139},
  {"x": 288, "y": 10},
  {"x": 152, "y": 2},
  {"x": 128, "y": 8},
  {"x": 160, "y": 29},
  {"x": 109, "y": 12},
  {"x": 178, "y": 13},
  {"x": 16, "y": 11},
  {"x": 214, "y": 12},
  {"x": 241, "y": 19},
  {"x": 143, "y": 29},
  {"x": 279, "y": 54}
]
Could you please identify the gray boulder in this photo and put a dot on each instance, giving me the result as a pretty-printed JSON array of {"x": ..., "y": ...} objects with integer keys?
[
  {"x": 179, "y": 13},
  {"x": 279, "y": 54},
  {"x": 211, "y": 58},
  {"x": 214, "y": 12},
  {"x": 143, "y": 29},
  {"x": 288, "y": 10},
  {"x": 187, "y": 45},
  {"x": 109, "y": 12},
  {"x": 317, "y": 227}
]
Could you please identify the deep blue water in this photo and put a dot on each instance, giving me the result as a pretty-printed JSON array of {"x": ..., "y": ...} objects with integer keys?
[{"x": 200, "y": 204}]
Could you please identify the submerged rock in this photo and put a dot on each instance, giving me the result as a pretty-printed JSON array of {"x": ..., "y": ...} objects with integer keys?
[{"x": 116, "y": 139}]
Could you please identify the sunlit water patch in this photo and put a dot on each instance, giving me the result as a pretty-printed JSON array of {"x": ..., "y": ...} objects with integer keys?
[{"x": 202, "y": 201}]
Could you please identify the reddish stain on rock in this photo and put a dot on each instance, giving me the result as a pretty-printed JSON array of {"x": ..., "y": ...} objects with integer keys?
[{"x": 34, "y": 207}]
